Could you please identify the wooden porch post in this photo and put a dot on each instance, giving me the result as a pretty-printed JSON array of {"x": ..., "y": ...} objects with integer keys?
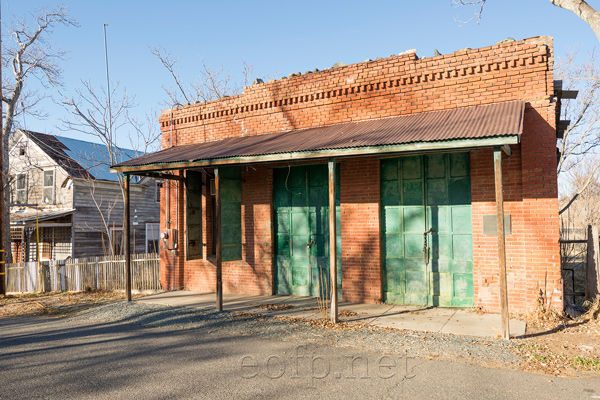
[
  {"x": 332, "y": 242},
  {"x": 219, "y": 241},
  {"x": 501, "y": 241},
  {"x": 126, "y": 225}
]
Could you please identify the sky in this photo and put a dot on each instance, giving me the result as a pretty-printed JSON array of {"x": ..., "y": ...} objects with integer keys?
[{"x": 275, "y": 37}]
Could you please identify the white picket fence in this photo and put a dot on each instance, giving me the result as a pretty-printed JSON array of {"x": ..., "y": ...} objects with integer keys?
[{"x": 78, "y": 274}]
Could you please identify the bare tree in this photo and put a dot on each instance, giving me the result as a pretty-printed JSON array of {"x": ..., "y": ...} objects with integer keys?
[
  {"x": 93, "y": 115},
  {"x": 581, "y": 140},
  {"x": 582, "y": 192},
  {"x": 581, "y": 8},
  {"x": 211, "y": 84},
  {"x": 28, "y": 54}
]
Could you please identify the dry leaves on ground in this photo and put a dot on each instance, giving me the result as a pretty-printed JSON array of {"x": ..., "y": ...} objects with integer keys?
[
  {"x": 558, "y": 345},
  {"x": 54, "y": 303},
  {"x": 275, "y": 307}
]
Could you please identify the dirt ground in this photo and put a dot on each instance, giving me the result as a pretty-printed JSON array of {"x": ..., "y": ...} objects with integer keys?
[
  {"x": 55, "y": 303},
  {"x": 564, "y": 349}
]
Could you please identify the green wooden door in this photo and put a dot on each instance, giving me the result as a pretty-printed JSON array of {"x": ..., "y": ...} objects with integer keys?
[
  {"x": 301, "y": 209},
  {"x": 432, "y": 194}
]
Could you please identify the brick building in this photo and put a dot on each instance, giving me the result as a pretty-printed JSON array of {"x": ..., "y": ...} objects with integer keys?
[{"x": 412, "y": 144}]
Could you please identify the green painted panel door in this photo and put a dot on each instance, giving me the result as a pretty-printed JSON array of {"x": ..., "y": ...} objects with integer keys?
[
  {"x": 419, "y": 194},
  {"x": 301, "y": 209}
]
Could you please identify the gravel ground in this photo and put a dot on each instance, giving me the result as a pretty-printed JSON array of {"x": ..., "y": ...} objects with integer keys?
[{"x": 423, "y": 345}]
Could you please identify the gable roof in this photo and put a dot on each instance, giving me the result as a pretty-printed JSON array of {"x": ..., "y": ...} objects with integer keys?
[{"x": 79, "y": 158}]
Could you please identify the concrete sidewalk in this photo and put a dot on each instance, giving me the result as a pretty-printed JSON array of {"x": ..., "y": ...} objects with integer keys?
[{"x": 428, "y": 319}]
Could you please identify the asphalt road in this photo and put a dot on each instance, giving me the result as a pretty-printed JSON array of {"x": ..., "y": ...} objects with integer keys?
[{"x": 43, "y": 358}]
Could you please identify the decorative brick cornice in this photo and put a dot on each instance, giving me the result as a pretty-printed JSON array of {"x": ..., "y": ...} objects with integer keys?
[{"x": 404, "y": 72}]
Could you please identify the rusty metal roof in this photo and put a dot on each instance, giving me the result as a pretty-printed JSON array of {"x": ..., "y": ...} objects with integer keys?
[{"x": 475, "y": 122}]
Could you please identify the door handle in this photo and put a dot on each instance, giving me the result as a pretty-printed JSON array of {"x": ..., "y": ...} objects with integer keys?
[
  {"x": 425, "y": 246},
  {"x": 309, "y": 244}
]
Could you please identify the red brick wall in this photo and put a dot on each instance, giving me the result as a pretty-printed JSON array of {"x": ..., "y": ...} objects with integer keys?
[
  {"x": 393, "y": 86},
  {"x": 253, "y": 275},
  {"x": 359, "y": 204}
]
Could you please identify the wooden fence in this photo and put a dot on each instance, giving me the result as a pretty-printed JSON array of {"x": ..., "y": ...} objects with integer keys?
[{"x": 78, "y": 274}]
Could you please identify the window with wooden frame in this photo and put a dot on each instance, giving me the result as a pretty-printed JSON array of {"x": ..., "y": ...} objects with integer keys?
[
  {"x": 21, "y": 189},
  {"x": 48, "y": 189}
]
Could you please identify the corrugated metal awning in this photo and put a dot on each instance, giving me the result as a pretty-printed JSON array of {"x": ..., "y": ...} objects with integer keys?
[{"x": 466, "y": 127}]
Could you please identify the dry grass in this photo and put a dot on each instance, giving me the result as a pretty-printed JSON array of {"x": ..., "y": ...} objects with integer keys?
[
  {"x": 557, "y": 345},
  {"x": 593, "y": 310},
  {"x": 545, "y": 317},
  {"x": 323, "y": 298}
]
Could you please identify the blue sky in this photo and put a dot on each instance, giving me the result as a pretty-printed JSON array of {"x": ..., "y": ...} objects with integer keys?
[{"x": 275, "y": 37}]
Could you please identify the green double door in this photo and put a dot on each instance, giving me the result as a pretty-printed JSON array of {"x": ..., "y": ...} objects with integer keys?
[
  {"x": 301, "y": 208},
  {"x": 427, "y": 238}
]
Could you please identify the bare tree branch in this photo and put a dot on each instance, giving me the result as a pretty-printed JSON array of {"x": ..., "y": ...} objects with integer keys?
[
  {"x": 90, "y": 115},
  {"x": 591, "y": 177},
  {"x": 169, "y": 63},
  {"x": 580, "y": 141},
  {"x": 29, "y": 54},
  {"x": 211, "y": 84},
  {"x": 477, "y": 4}
]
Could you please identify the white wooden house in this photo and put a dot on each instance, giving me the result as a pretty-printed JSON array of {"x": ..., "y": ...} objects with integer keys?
[{"x": 64, "y": 187}]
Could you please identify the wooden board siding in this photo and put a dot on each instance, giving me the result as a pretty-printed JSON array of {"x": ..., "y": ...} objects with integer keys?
[
  {"x": 34, "y": 163},
  {"x": 88, "y": 222}
]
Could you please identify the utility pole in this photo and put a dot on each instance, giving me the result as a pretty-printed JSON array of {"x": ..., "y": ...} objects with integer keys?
[
  {"x": 110, "y": 133},
  {"x": 3, "y": 233}
]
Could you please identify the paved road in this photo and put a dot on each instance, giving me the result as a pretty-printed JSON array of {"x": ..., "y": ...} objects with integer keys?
[{"x": 61, "y": 359}]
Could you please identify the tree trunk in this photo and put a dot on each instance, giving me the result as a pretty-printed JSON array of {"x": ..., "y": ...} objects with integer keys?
[
  {"x": 6, "y": 130},
  {"x": 6, "y": 223},
  {"x": 583, "y": 10}
]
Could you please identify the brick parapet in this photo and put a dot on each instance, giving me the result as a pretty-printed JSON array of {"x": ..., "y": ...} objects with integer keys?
[{"x": 391, "y": 86}]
